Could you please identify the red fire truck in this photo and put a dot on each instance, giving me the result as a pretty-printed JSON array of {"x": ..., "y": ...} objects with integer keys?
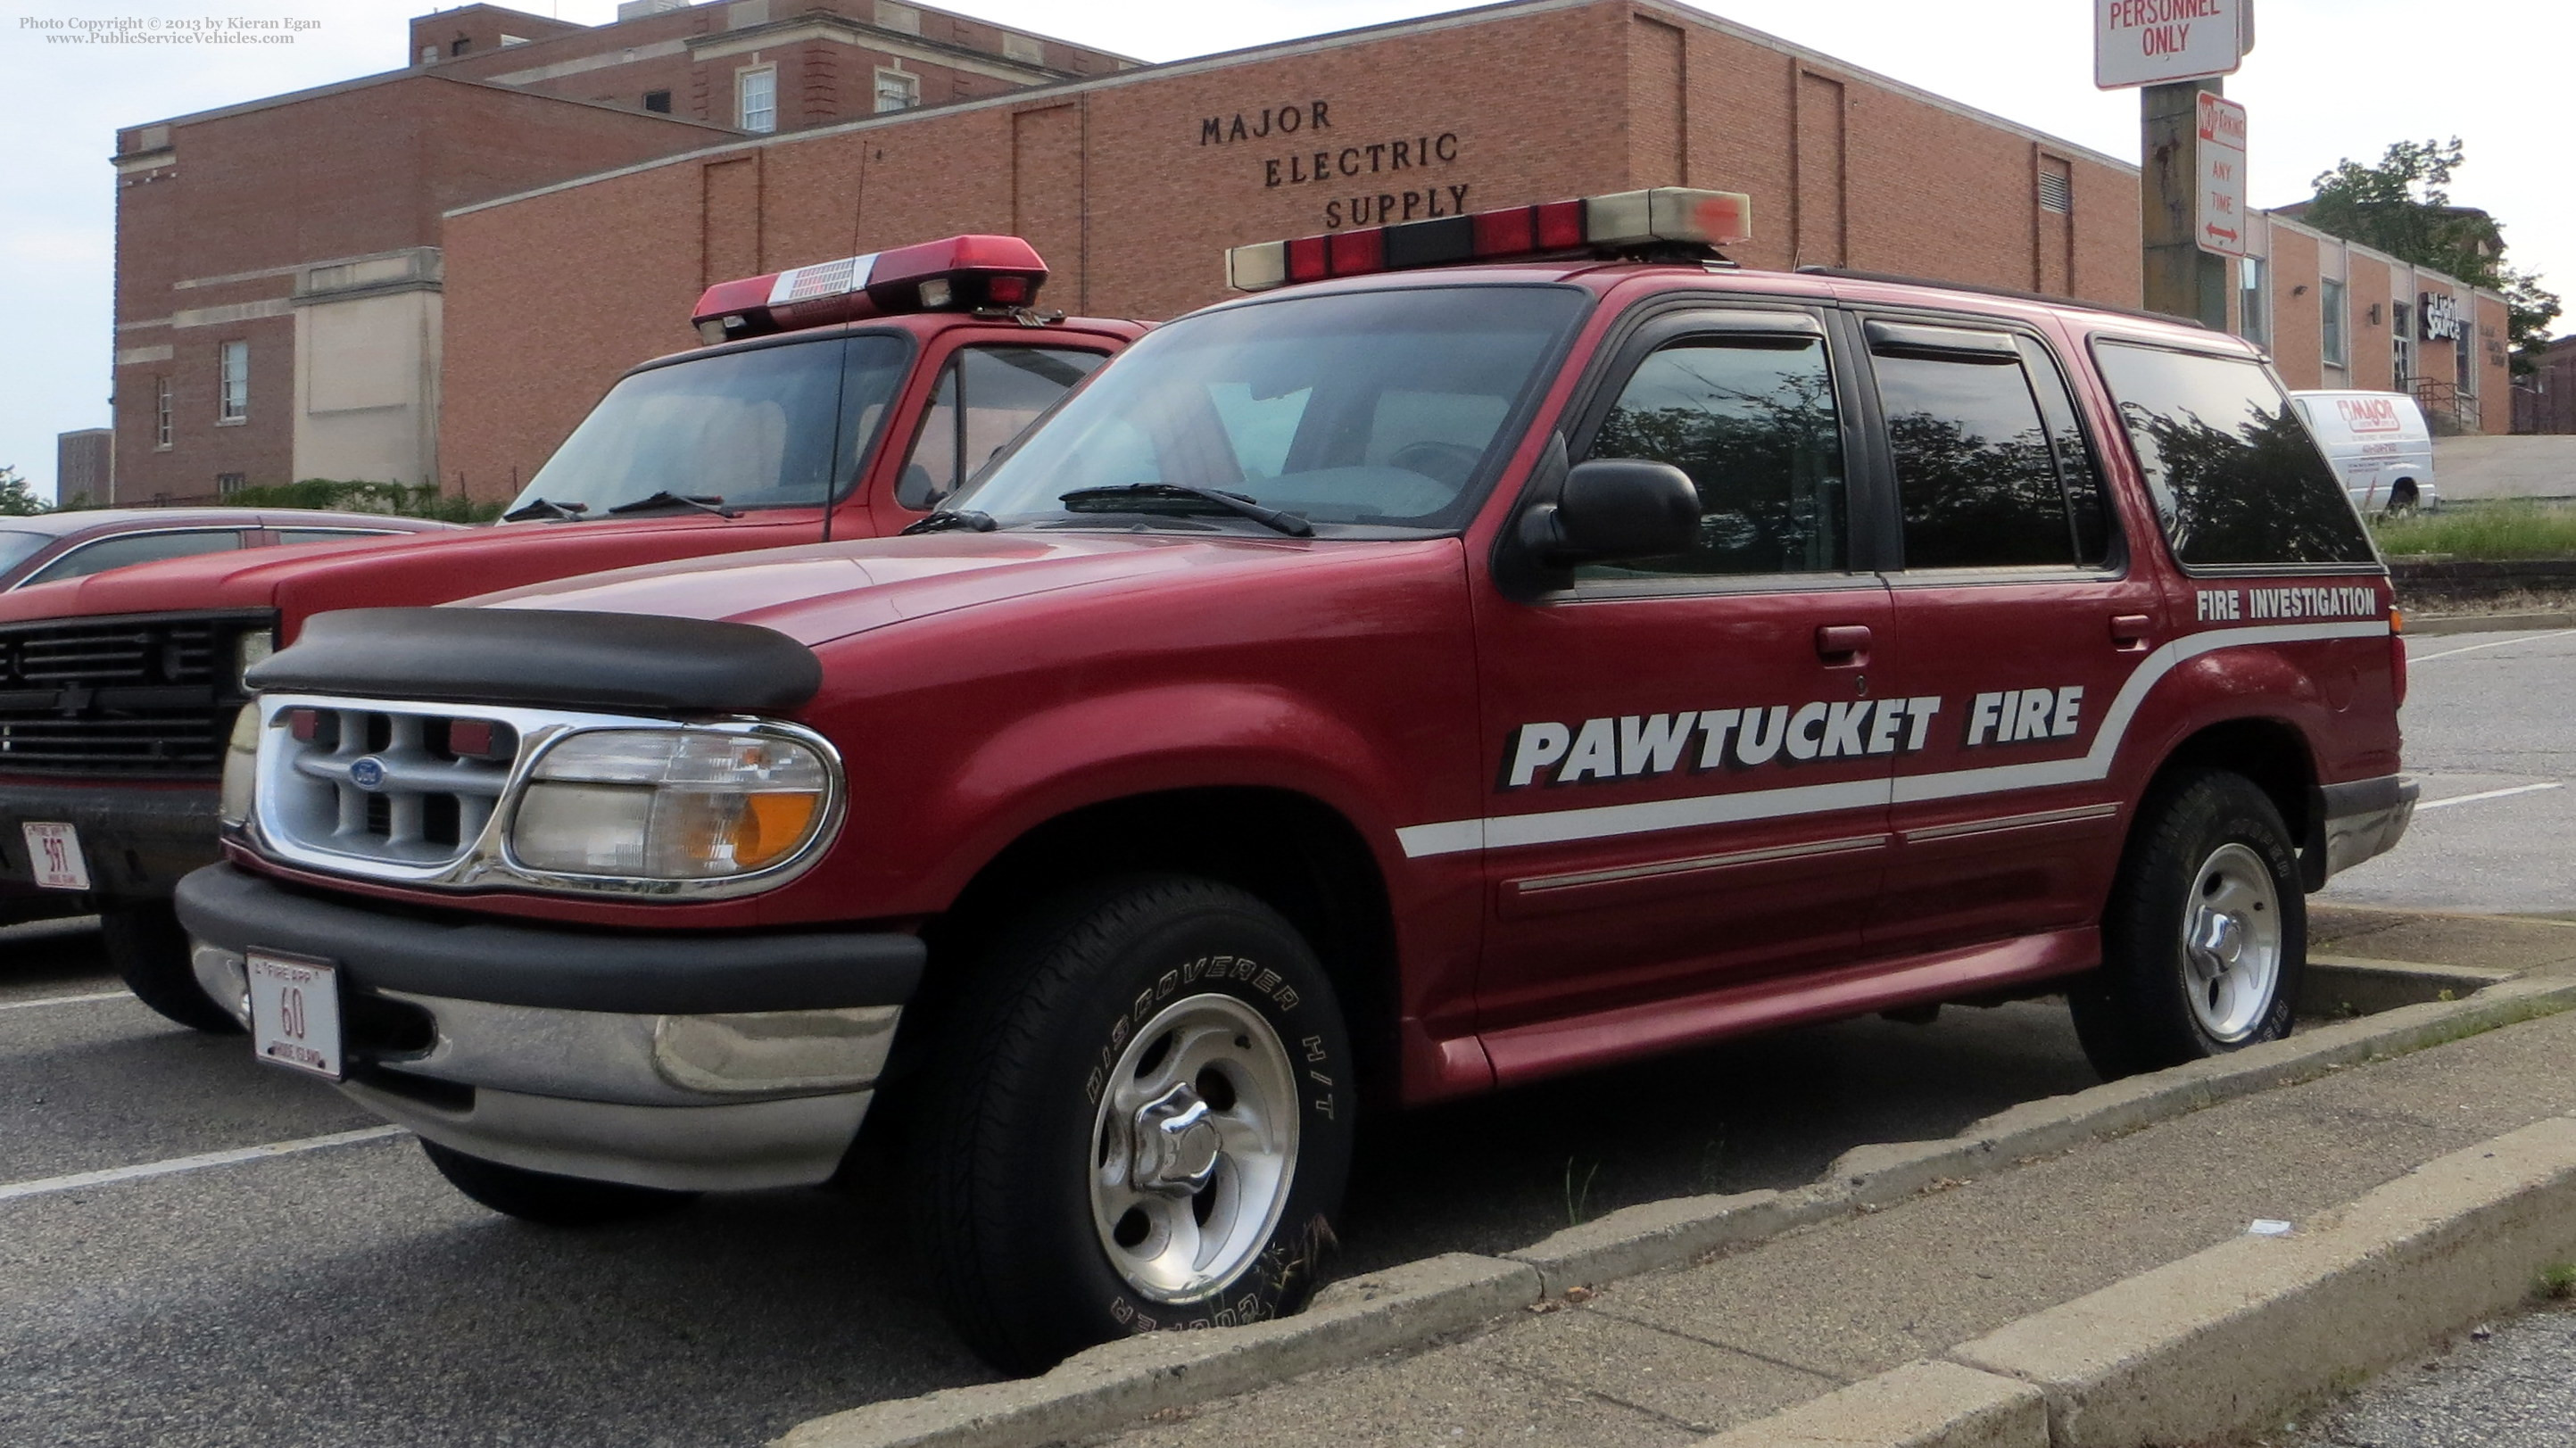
[
  {"x": 1507, "y": 644},
  {"x": 841, "y": 400}
]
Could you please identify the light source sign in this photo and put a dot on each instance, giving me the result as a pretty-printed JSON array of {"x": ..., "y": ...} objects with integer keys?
[
  {"x": 2218, "y": 221},
  {"x": 2441, "y": 314},
  {"x": 2157, "y": 42}
]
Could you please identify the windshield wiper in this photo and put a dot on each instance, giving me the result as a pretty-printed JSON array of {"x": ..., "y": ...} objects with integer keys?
[
  {"x": 703, "y": 502},
  {"x": 545, "y": 508},
  {"x": 946, "y": 518},
  {"x": 1292, "y": 524}
]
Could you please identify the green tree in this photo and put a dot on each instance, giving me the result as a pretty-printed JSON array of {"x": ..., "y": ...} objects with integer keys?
[
  {"x": 2402, "y": 206},
  {"x": 17, "y": 500}
]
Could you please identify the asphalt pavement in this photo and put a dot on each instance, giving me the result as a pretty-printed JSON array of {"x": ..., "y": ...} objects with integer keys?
[
  {"x": 2490, "y": 726},
  {"x": 198, "y": 1249}
]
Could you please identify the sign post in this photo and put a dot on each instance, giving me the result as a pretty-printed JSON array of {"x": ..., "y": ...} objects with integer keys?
[{"x": 2175, "y": 51}]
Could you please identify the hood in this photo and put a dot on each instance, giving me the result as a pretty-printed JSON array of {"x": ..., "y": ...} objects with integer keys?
[
  {"x": 819, "y": 592},
  {"x": 421, "y": 568}
]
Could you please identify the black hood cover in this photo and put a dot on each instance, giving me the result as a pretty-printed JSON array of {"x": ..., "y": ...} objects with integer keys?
[{"x": 566, "y": 659}]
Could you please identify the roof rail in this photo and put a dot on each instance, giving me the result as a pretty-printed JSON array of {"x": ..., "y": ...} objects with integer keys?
[{"x": 1854, "y": 274}]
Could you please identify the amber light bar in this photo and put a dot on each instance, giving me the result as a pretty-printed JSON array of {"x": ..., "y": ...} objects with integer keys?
[
  {"x": 954, "y": 273},
  {"x": 1664, "y": 215}
]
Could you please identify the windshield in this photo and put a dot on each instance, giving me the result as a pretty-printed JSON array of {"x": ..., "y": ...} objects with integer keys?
[
  {"x": 16, "y": 547},
  {"x": 770, "y": 427},
  {"x": 1372, "y": 409}
]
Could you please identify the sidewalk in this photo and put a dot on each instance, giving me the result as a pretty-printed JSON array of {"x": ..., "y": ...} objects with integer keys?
[{"x": 1672, "y": 1357}]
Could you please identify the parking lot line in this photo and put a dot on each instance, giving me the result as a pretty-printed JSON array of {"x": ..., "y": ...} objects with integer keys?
[
  {"x": 69, "y": 1000},
  {"x": 2487, "y": 794},
  {"x": 43, "y": 1186},
  {"x": 2499, "y": 643}
]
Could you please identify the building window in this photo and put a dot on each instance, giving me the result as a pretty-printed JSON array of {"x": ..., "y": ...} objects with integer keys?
[
  {"x": 459, "y": 45},
  {"x": 429, "y": 55},
  {"x": 161, "y": 414},
  {"x": 2253, "y": 302},
  {"x": 658, "y": 102},
  {"x": 235, "y": 367},
  {"x": 2402, "y": 333},
  {"x": 2464, "y": 359},
  {"x": 2330, "y": 322},
  {"x": 755, "y": 96},
  {"x": 897, "y": 91},
  {"x": 227, "y": 484}
]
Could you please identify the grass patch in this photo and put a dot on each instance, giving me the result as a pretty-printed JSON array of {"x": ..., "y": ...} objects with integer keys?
[
  {"x": 2485, "y": 530},
  {"x": 2558, "y": 1281}
]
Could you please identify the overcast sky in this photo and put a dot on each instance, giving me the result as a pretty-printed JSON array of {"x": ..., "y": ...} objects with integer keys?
[{"x": 2330, "y": 78}]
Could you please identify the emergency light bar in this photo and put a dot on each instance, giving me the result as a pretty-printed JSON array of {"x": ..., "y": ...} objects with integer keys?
[
  {"x": 1665, "y": 215},
  {"x": 960, "y": 272}
]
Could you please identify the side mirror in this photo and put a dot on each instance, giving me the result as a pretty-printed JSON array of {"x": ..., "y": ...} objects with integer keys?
[{"x": 1614, "y": 508}]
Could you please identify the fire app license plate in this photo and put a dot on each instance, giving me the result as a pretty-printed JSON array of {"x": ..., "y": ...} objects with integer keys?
[
  {"x": 295, "y": 1013},
  {"x": 54, "y": 852}
]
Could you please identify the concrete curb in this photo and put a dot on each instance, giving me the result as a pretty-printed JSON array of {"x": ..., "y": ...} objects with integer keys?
[
  {"x": 2436, "y": 625},
  {"x": 1119, "y": 1382},
  {"x": 1920, "y": 1405},
  {"x": 2254, "y": 1327},
  {"x": 1110, "y": 1386},
  {"x": 2337, "y": 985},
  {"x": 2237, "y": 1335}
]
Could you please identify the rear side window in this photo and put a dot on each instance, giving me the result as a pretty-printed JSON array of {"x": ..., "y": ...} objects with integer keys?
[
  {"x": 2236, "y": 478},
  {"x": 1751, "y": 419},
  {"x": 986, "y": 397},
  {"x": 135, "y": 548},
  {"x": 1976, "y": 467}
]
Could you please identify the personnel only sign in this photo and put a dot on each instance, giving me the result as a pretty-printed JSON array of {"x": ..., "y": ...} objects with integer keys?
[{"x": 2154, "y": 42}]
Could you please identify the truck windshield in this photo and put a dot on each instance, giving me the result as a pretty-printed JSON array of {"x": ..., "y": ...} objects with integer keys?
[
  {"x": 1373, "y": 409},
  {"x": 771, "y": 427}
]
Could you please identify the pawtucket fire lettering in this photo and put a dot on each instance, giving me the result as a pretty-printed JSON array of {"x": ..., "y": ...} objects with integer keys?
[{"x": 1634, "y": 746}]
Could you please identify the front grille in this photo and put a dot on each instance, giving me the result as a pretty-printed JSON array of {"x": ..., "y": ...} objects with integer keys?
[
  {"x": 144, "y": 697},
  {"x": 385, "y": 784}
]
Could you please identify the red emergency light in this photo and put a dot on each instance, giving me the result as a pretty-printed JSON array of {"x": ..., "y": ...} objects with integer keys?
[
  {"x": 1663, "y": 216},
  {"x": 958, "y": 273}
]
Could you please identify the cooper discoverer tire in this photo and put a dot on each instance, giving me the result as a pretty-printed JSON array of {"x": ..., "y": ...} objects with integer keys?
[
  {"x": 2205, "y": 936},
  {"x": 545, "y": 1198},
  {"x": 1137, "y": 1118},
  {"x": 149, "y": 949}
]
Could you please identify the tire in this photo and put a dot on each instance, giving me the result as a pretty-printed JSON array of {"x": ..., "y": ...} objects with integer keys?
[
  {"x": 547, "y": 1199},
  {"x": 2206, "y": 934},
  {"x": 149, "y": 949},
  {"x": 2403, "y": 498},
  {"x": 1137, "y": 1118}
]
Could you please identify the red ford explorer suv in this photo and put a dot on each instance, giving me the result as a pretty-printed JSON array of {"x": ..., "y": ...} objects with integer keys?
[
  {"x": 839, "y": 400},
  {"x": 1438, "y": 674}
]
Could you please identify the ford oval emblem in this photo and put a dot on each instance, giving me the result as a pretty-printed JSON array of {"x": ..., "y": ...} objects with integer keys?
[{"x": 367, "y": 773}]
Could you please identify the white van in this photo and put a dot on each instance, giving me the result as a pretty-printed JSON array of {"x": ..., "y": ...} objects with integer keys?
[{"x": 2379, "y": 446}]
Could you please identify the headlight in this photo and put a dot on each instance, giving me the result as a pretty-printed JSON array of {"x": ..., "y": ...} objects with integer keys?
[
  {"x": 671, "y": 804},
  {"x": 241, "y": 756}
]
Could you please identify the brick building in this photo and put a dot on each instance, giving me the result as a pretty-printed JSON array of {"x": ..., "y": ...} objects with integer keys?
[
  {"x": 85, "y": 463},
  {"x": 279, "y": 275},
  {"x": 2339, "y": 314},
  {"x": 1132, "y": 185}
]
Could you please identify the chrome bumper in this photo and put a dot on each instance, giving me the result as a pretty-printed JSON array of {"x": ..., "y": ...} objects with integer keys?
[{"x": 717, "y": 1102}]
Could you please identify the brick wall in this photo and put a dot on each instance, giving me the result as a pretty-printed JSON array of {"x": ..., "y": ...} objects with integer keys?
[
  {"x": 1133, "y": 188},
  {"x": 213, "y": 226}
]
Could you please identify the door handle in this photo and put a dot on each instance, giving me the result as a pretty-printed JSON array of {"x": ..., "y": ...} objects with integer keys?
[
  {"x": 2129, "y": 632},
  {"x": 1843, "y": 644}
]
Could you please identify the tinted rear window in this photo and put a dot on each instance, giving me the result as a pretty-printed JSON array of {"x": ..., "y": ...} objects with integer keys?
[{"x": 2236, "y": 477}]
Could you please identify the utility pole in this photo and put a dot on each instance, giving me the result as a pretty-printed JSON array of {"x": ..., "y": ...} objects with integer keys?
[{"x": 2182, "y": 280}]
